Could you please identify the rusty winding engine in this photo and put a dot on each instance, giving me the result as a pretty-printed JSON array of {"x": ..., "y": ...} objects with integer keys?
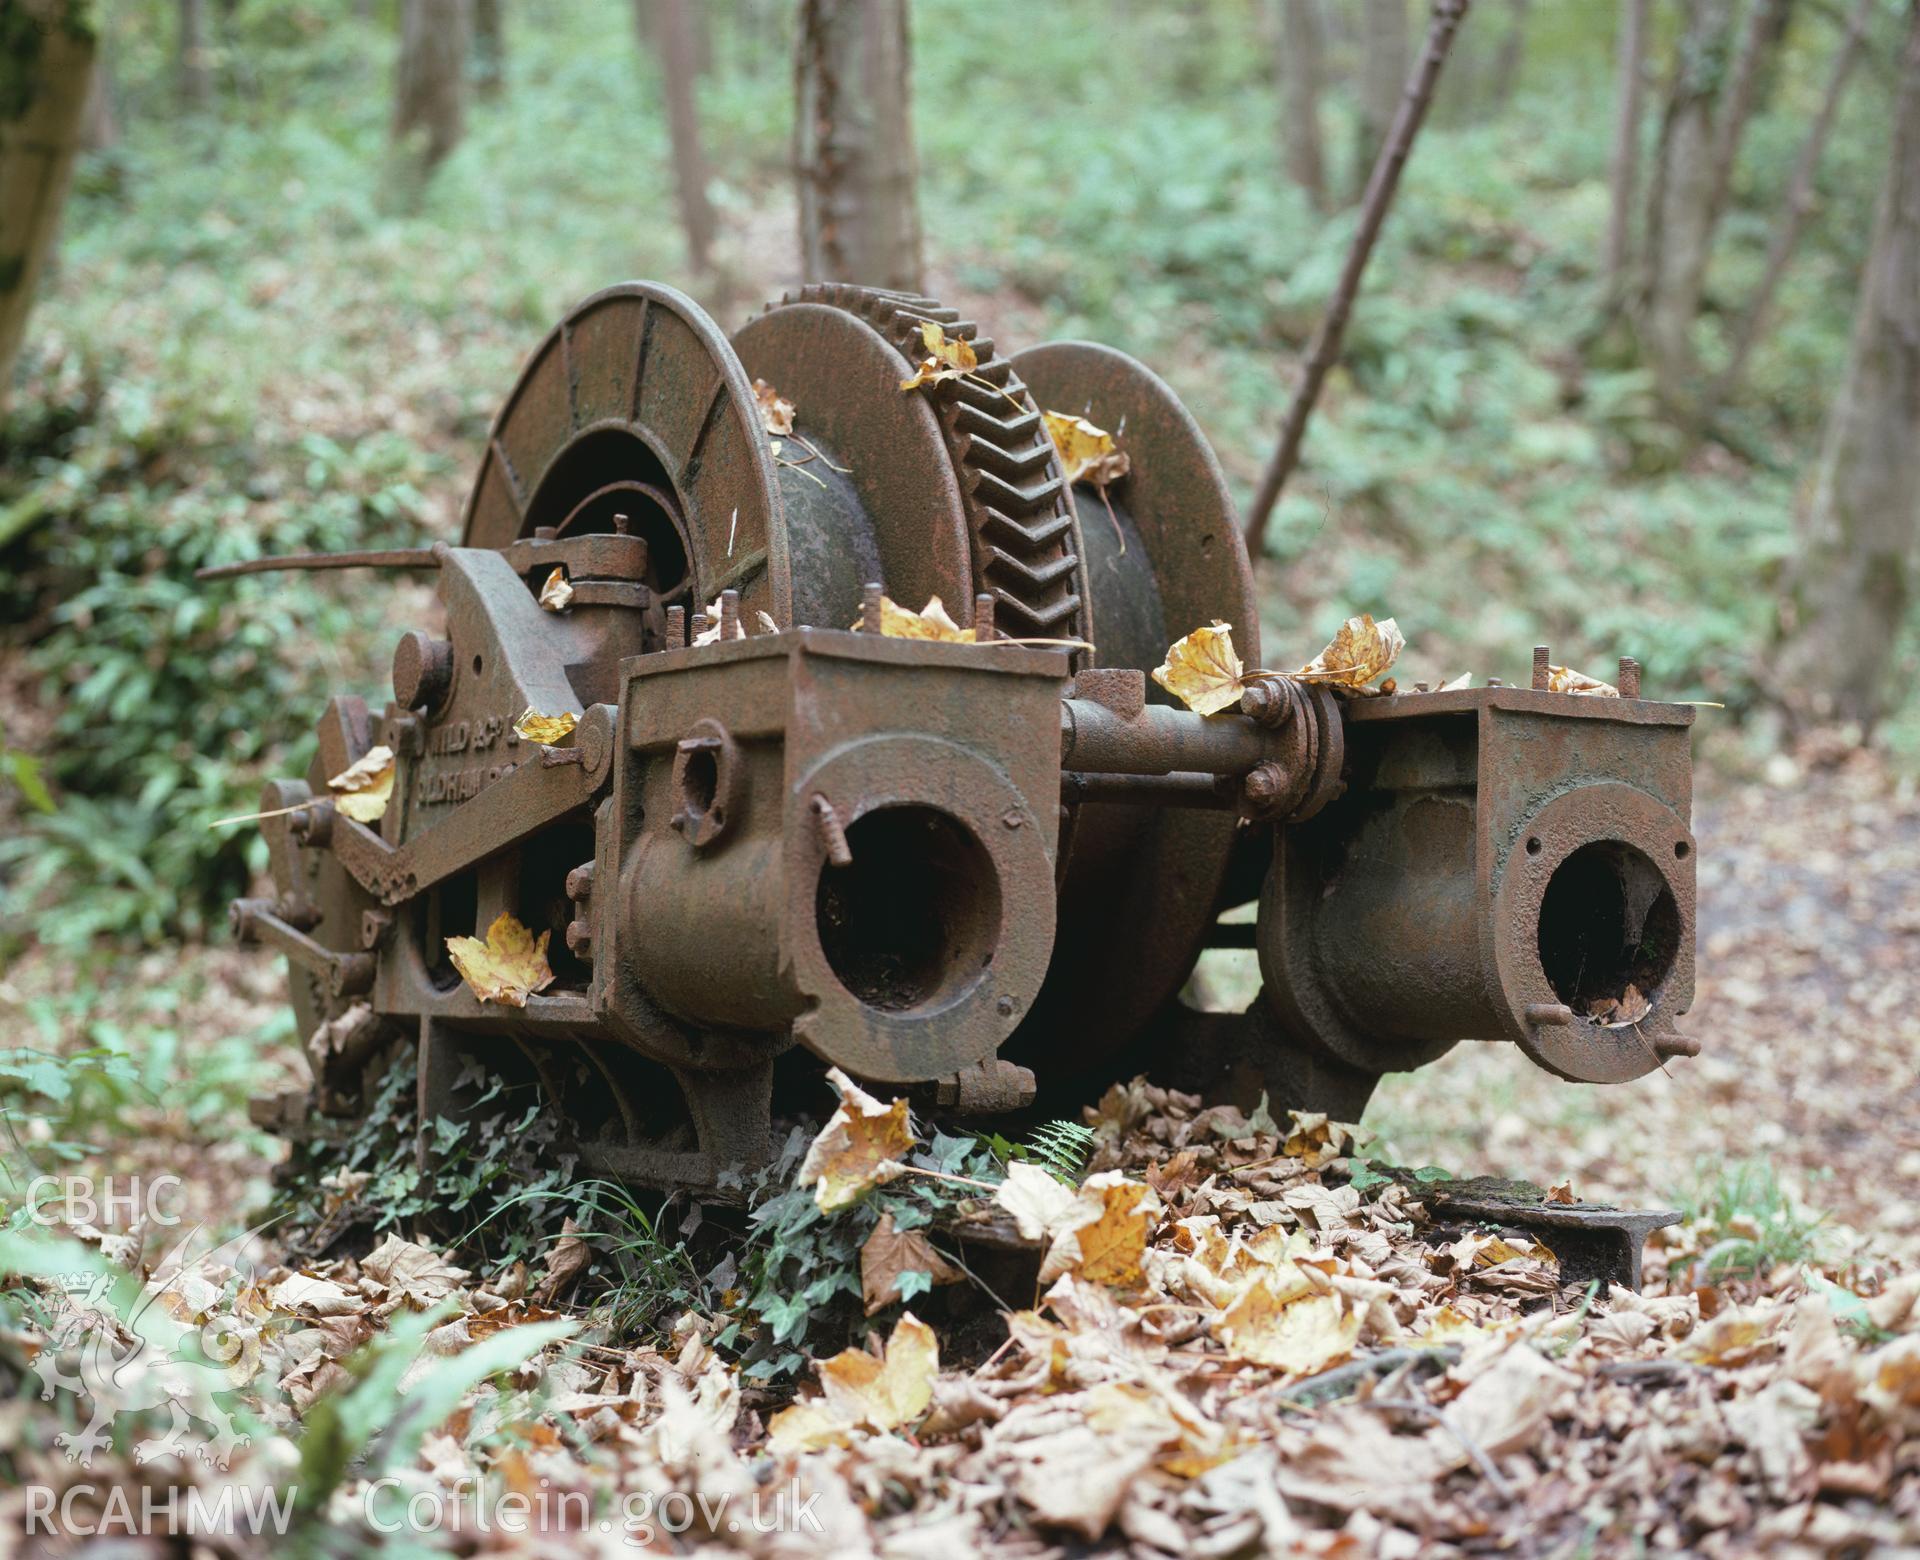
[{"x": 969, "y": 870}]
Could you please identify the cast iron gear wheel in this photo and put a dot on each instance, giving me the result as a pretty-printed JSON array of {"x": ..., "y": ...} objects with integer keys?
[{"x": 1025, "y": 538}]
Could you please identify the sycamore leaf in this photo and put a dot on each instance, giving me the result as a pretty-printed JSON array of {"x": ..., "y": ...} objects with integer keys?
[
  {"x": 565, "y": 1263},
  {"x": 545, "y": 729},
  {"x": 557, "y": 594},
  {"x": 1293, "y": 1331},
  {"x": 1103, "y": 1235},
  {"x": 1087, "y": 453},
  {"x": 1564, "y": 679},
  {"x": 363, "y": 789},
  {"x": 1316, "y": 1139},
  {"x": 859, "y": 1391},
  {"x": 414, "y": 1274},
  {"x": 776, "y": 411},
  {"x": 1203, "y": 670},
  {"x": 889, "y": 1255},
  {"x": 1036, "y": 1198},
  {"x": 863, "y": 1144},
  {"x": 1621, "y": 1012},
  {"x": 508, "y": 967},
  {"x": 947, "y": 358},
  {"x": 931, "y": 622},
  {"x": 1359, "y": 653}
]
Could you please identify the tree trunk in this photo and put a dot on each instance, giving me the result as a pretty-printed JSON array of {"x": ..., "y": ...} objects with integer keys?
[
  {"x": 1512, "y": 55},
  {"x": 1296, "y": 38},
  {"x": 1762, "y": 34},
  {"x": 1630, "y": 78},
  {"x": 1680, "y": 217},
  {"x": 1383, "y": 76},
  {"x": 853, "y": 145},
  {"x": 1796, "y": 208},
  {"x": 667, "y": 21},
  {"x": 429, "y": 111},
  {"x": 46, "y": 72},
  {"x": 194, "y": 75},
  {"x": 489, "y": 48},
  {"x": 1852, "y": 582},
  {"x": 100, "y": 131}
]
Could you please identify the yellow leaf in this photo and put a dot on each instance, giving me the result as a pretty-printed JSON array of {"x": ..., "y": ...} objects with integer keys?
[
  {"x": 863, "y": 1144},
  {"x": 1103, "y": 1235},
  {"x": 1564, "y": 679},
  {"x": 947, "y": 358},
  {"x": 1451, "y": 1325},
  {"x": 1359, "y": 653},
  {"x": 1203, "y": 670},
  {"x": 1302, "y": 1333},
  {"x": 544, "y": 729},
  {"x": 557, "y": 594},
  {"x": 776, "y": 411},
  {"x": 931, "y": 622},
  {"x": 363, "y": 789},
  {"x": 508, "y": 967},
  {"x": 805, "y": 1427},
  {"x": 1087, "y": 453}
]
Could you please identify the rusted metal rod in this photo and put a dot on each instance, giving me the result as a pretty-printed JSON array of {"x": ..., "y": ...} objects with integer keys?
[
  {"x": 1157, "y": 741},
  {"x": 1171, "y": 790},
  {"x": 371, "y": 558}
]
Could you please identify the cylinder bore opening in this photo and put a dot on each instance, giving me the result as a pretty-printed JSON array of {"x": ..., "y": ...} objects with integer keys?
[
  {"x": 1609, "y": 929},
  {"x": 914, "y": 921}
]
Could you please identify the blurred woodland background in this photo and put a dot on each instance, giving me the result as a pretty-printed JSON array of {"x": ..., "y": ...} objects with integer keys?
[{"x": 1635, "y": 368}]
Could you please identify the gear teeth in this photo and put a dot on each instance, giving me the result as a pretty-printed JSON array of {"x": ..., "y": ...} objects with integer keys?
[{"x": 1026, "y": 545}]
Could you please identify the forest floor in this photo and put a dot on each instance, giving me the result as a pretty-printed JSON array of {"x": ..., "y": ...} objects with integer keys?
[{"x": 1177, "y": 1385}]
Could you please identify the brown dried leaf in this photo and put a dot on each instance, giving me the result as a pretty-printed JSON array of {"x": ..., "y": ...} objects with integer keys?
[
  {"x": 565, "y": 1264},
  {"x": 557, "y": 594},
  {"x": 776, "y": 411},
  {"x": 1564, "y": 679},
  {"x": 710, "y": 635},
  {"x": 863, "y": 1144},
  {"x": 416, "y": 1275},
  {"x": 888, "y": 1253},
  {"x": 363, "y": 789},
  {"x": 1360, "y": 652},
  {"x": 1203, "y": 670},
  {"x": 508, "y": 967}
]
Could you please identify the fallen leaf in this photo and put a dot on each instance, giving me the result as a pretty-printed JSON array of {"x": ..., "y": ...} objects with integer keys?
[
  {"x": 767, "y": 624},
  {"x": 1314, "y": 1137},
  {"x": 1102, "y": 1236},
  {"x": 1203, "y": 670},
  {"x": 931, "y": 622},
  {"x": 544, "y": 729},
  {"x": 508, "y": 967},
  {"x": 946, "y": 358},
  {"x": 1087, "y": 453},
  {"x": 1295, "y": 1330},
  {"x": 1561, "y": 1192},
  {"x": 557, "y": 594},
  {"x": 860, "y": 1391},
  {"x": 1361, "y": 651},
  {"x": 1620, "y": 1012},
  {"x": 363, "y": 789},
  {"x": 416, "y": 1275},
  {"x": 863, "y": 1144},
  {"x": 1564, "y": 679},
  {"x": 567, "y": 1261},
  {"x": 776, "y": 411},
  {"x": 891, "y": 1254},
  {"x": 318, "y": 1296},
  {"x": 1037, "y": 1199}
]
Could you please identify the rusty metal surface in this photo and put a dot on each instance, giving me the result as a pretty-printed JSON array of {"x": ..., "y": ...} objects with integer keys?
[
  {"x": 979, "y": 870},
  {"x": 1594, "y": 1243}
]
